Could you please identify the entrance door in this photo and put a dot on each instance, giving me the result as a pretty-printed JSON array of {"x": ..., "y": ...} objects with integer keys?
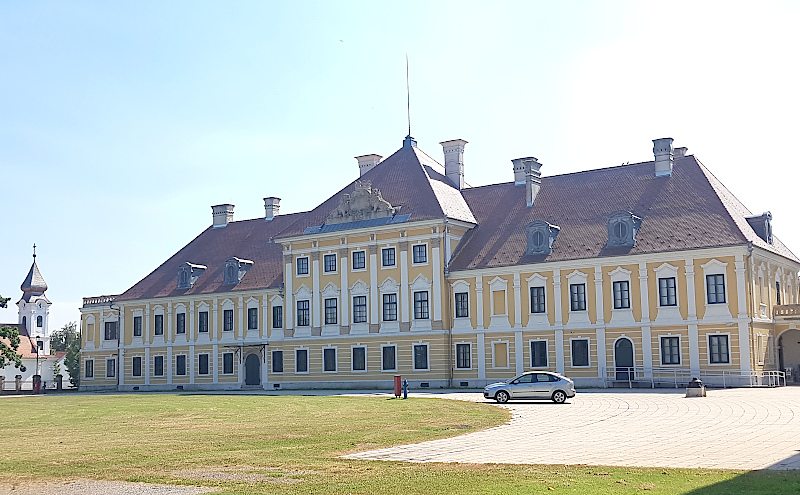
[
  {"x": 789, "y": 355},
  {"x": 252, "y": 370},
  {"x": 623, "y": 359}
]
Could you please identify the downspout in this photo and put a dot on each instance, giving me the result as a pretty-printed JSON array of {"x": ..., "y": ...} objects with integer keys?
[
  {"x": 449, "y": 306},
  {"x": 748, "y": 280}
]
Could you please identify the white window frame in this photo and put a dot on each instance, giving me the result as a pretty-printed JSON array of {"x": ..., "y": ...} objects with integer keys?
[
  {"x": 272, "y": 362},
  {"x": 198, "y": 364},
  {"x": 427, "y": 356},
  {"x": 427, "y": 258},
  {"x": 204, "y": 307},
  {"x": 588, "y": 352},
  {"x": 114, "y": 367},
  {"x": 308, "y": 361},
  {"x": 233, "y": 361},
  {"x": 546, "y": 354},
  {"x": 297, "y": 267},
  {"x": 462, "y": 322},
  {"x": 185, "y": 364},
  {"x": 717, "y": 310},
  {"x": 388, "y": 267},
  {"x": 661, "y": 352},
  {"x": 141, "y": 366},
  {"x": 455, "y": 353},
  {"x": 335, "y": 263},
  {"x": 163, "y": 366},
  {"x": 668, "y": 313},
  {"x": 85, "y": 361},
  {"x": 252, "y": 303},
  {"x": 494, "y": 344},
  {"x": 335, "y": 358},
  {"x": 708, "y": 348},
  {"x": 366, "y": 362},
  {"x": 366, "y": 260},
  {"x": 394, "y": 370}
]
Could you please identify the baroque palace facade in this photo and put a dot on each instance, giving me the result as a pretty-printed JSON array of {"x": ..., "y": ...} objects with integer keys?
[{"x": 650, "y": 272}]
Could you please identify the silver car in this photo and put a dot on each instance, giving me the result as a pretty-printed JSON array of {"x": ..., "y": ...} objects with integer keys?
[{"x": 532, "y": 385}]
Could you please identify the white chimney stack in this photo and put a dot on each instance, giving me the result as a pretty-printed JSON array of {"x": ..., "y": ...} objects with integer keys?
[
  {"x": 367, "y": 163},
  {"x": 454, "y": 161},
  {"x": 662, "y": 149},
  {"x": 528, "y": 171},
  {"x": 222, "y": 215},
  {"x": 271, "y": 205}
]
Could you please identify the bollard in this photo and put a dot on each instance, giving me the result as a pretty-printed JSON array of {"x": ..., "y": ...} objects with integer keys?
[
  {"x": 37, "y": 384},
  {"x": 2, "y": 384},
  {"x": 405, "y": 389},
  {"x": 695, "y": 388},
  {"x": 59, "y": 382},
  {"x": 18, "y": 383},
  {"x": 397, "y": 379}
]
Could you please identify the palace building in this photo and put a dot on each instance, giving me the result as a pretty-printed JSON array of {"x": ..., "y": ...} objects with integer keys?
[{"x": 640, "y": 274}]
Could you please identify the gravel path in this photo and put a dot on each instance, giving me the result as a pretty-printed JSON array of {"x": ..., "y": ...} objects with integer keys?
[{"x": 95, "y": 487}]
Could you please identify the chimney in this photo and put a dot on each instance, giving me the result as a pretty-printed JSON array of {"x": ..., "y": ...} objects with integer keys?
[
  {"x": 528, "y": 171},
  {"x": 367, "y": 163},
  {"x": 222, "y": 215},
  {"x": 662, "y": 149},
  {"x": 271, "y": 205},
  {"x": 680, "y": 152},
  {"x": 454, "y": 161}
]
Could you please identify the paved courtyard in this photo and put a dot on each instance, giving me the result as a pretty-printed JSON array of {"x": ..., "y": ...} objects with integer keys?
[{"x": 731, "y": 429}]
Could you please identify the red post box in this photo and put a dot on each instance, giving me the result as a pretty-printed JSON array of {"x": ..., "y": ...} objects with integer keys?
[{"x": 398, "y": 385}]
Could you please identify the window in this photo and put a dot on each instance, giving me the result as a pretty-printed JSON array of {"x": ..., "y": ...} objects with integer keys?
[
  {"x": 539, "y": 354},
  {"x": 359, "y": 260},
  {"x": 303, "y": 314},
  {"x": 777, "y": 293},
  {"x": 463, "y": 356},
  {"x": 421, "y": 305},
  {"x": 500, "y": 354},
  {"x": 202, "y": 322},
  {"x": 252, "y": 318},
  {"x": 715, "y": 289},
  {"x": 329, "y": 263},
  {"x": 462, "y": 304},
  {"x": 180, "y": 323},
  {"x": 420, "y": 356},
  {"x": 329, "y": 359},
  {"x": 180, "y": 365},
  {"x": 227, "y": 363},
  {"x": 302, "y": 266},
  {"x": 277, "y": 317},
  {"x": 670, "y": 350},
  {"x": 359, "y": 359},
  {"x": 622, "y": 294},
  {"x": 718, "y": 349},
  {"x": 387, "y": 257},
  {"x": 137, "y": 326},
  {"x": 111, "y": 330},
  {"x": 577, "y": 293},
  {"x": 301, "y": 360},
  {"x": 39, "y": 321},
  {"x": 666, "y": 292},
  {"x": 159, "y": 325},
  {"x": 390, "y": 307},
  {"x": 388, "y": 361},
  {"x": 136, "y": 363},
  {"x": 580, "y": 352},
  {"x": 111, "y": 368},
  {"x": 158, "y": 366},
  {"x": 331, "y": 311},
  {"x": 202, "y": 364},
  {"x": 419, "y": 253},
  {"x": 359, "y": 309},
  {"x": 537, "y": 300},
  {"x": 227, "y": 320},
  {"x": 40, "y": 346},
  {"x": 277, "y": 361},
  {"x": 88, "y": 368}
]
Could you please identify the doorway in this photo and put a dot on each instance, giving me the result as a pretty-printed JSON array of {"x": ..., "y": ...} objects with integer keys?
[
  {"x": 789, "y": 355},
  {"x": 623, "y": 359},
  {"x": 252, "y": 370}
]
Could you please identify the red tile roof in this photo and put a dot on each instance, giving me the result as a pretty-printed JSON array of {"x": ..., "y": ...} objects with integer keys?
[
  {"x": 679, "y": 212},
  {"x": 27, "y": 346}
]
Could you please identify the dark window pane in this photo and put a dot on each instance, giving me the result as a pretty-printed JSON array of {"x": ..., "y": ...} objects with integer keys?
[
  {"x": 359, "y": 358},
  {"x": 666, "y": 292},
  {"x": 390, "y": 307},
  {"x": 420, "y": 253},
  {"x": 670, "y": 350},
  {"x": 180, "y": 323},
  {"x": 421, "y": 305},
  {"x": 387, "y": 257},
  {"x": 718, "y": 352},
  {"x": 303, "y": 314},
  {"x": 580, "y": 352},
  {"x": 301, "y": 360},
  {"x": 420, "y": 357},
  {"x": 137, "y": 366},
  {"x": 227, "y": 320},
  {"x": 202, "y": 322},
  {"x": 329, "y": 263},
  {"x": 302, "y": 266},
  {"x": 577, "y": 297},
  {"x": 227, "y": 363},
  {"x": 537, "y": 300},
  {"x": 359, "y": 309},
  {"x": 329, "y": 359},
  {"x": 388, "y": 361},
  {"x": 539, "y": 354},
  {"x": 202, "y": 364},
  {"x": 715, "y": 289},
  {"x": 180, "y": 365},
  {"x": 158, "y": 366},
  {"x": 463, "y": 356},
  {"x": 359, "y": 260},
  {"x": 331, "y": 311},
  {"x": 277, "y": 317},
  {"x": 462, "y": 304},
  {"x": 137, "y": 326},
  {"x": 622, "y": 298},
  {"x": 277, "y": 361},
  {"x": 159, "y": 325}
]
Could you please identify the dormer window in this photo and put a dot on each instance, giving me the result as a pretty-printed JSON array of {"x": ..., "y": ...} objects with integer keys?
[
  {"x": 762, "y": 225},
  {"x": 235, "y": 268},
  {"x": 541, "y": 236},
  {"x": 622, "y": 229},
  {"x": 188, "y": 273}
]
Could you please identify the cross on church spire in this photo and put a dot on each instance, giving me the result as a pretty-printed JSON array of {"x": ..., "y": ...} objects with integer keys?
[{"x": 34, "y": 250}]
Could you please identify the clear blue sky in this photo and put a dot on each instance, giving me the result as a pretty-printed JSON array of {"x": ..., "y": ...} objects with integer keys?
[{"x": 121, "y": 123}]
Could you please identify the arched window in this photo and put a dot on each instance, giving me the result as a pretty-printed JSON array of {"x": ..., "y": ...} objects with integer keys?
[
  {"x": 777, "y": 292},
  {"x": 39, "y": 321},
  {"x": 25, "y": 322}
]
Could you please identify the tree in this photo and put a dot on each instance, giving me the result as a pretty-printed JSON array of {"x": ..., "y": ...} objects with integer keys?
[
  {"x": 68, "y": 338},
  {"x": 8, "y": 352}
]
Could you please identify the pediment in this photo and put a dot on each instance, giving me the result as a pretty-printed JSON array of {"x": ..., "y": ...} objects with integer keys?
[{"x": 364, "y": 203}]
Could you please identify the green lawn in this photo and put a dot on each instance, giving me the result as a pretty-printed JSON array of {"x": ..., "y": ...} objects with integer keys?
[{"x": 290, "y": 444}]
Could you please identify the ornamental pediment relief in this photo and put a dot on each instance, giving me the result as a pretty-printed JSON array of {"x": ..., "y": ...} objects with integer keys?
[{"x": 364, "y": 203}]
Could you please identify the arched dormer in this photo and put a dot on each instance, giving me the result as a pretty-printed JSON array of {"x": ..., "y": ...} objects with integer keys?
[
  {"x": 622, "y": 229},
  {"x": 541, "y": 236}
]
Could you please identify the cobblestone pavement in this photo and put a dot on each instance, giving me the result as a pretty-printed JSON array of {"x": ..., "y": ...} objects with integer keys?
[{"x": 730, "y": 429}]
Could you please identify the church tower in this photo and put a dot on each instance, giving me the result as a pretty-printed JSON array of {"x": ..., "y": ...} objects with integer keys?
[{"x": 34, "y": 307}]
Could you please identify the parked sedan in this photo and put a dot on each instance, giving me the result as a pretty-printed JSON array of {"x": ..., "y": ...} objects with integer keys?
[{"x": 532, "y": 385}]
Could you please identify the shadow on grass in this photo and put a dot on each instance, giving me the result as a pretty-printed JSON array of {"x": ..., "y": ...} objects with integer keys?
[{"x": 765, "y": 482}]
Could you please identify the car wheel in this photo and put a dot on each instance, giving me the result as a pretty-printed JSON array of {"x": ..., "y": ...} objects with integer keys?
[
  {"x": 501, "y": 397},
  {"x": 559, "y": 397}
]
